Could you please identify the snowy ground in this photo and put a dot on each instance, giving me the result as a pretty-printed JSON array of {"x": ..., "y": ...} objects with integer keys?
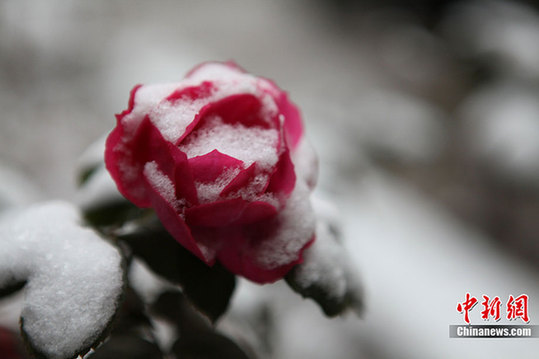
[{"x": 428, "y": 146}]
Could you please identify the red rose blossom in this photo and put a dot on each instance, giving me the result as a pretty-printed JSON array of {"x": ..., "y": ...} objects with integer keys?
[{"x": 222, "y": 159}]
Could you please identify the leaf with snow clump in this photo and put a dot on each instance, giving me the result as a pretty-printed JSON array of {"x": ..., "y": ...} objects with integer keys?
[
  {"x": 327, "y": 275},
  {"x": 74, "y": 279}
]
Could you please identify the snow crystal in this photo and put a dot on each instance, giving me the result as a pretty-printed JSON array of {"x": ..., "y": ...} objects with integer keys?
[
  {"x": 248, "y": 144},
  {"x": 209, "y": 192},
  {"x": 146, "y": 98},
  {"x": 74, "y": 277},
  {"x": 160, "y": 182},
  {"x": 173, "y": 118},
  {"x": 250, "y": 192},
  {"x": 296, "y": 228}
]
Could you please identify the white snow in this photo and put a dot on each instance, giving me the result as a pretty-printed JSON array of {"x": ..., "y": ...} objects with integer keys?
[
  {"x": 296, "y": 226},
  {"x": 74, "y": 278},
  {"x": 417, "y": 262},
  {"x": 161, "y": 182},
  {"x": 326, "y": 263},
  {"x": 248, "y": 144},
  {"x": 209, "y": 192},
  {"x": 249, "y": 192},
  {"x": 146, "y": 98},
  {"x": 306, "y": 162},
  {"x": 173, "y": 117}
]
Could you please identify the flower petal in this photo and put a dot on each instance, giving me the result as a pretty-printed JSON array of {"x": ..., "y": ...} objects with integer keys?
[
  {"x": 192, "y": 92},
  {"x": 283, "y": 178},
  {"x": 172, "y": 221},
  {"x": 293, "y": 126},
  {"x": 238, "y": 257},
  {"x": 242, "y": 180},
  {"x": 239, "y": 108},
  {"x": 216, "y": 214},
  {"x": 208, "y": 167},
  {"x": 149, "y": 145}
]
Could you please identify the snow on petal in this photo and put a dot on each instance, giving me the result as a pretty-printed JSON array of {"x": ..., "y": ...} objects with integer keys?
[{"x": 296, "y": 226}]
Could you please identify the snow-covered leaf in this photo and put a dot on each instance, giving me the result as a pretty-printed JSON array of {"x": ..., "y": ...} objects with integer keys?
[
  {"x": 74, "y": 279},
  {"x": 327, "y": 275}
]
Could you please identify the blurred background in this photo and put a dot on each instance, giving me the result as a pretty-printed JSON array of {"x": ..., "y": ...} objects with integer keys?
[{"x": 425, "y": 116}]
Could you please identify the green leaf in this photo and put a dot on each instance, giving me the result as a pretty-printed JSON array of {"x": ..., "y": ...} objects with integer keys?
[
  {"x": 198, "y": 339},
  {"x": 75, "y": 279},
  {"x": 131, "y": 316},
  {"x": 85, "y": 173},
  {"x": 330, "y": 304},
  {"x": 207, "y": 346},
  {"x": 127, "y": 347},
  {"x": 209, "y": 288},
  {"x": 131, "y": 336},
  {"x": 113, "y": 213}
]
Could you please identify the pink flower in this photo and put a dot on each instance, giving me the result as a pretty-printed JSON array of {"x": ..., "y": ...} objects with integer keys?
[{"x": 222, "y": 159}]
